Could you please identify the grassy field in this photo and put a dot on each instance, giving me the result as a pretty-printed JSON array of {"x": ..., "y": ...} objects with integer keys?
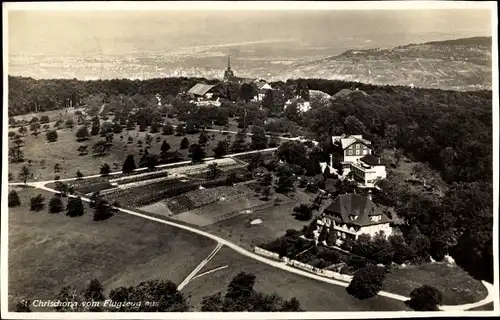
[
  {"x": 275, "y": 221},
  {"x": 457, "y": 286},
  {"x": 64, "y": 151},
  {"x": 48, "y": 251},
  {"x": 312, "y": 294},
  {"x": 487, "y": 307}
]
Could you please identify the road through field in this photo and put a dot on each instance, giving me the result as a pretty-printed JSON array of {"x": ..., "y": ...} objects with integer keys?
[{"x": 274, "y": 263}]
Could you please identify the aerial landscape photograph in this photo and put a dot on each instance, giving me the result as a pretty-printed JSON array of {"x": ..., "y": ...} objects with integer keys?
[{"x": 245, "y": 157}]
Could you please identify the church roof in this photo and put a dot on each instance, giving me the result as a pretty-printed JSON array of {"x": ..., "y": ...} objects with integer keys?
[{"x": 347, "y": 205}]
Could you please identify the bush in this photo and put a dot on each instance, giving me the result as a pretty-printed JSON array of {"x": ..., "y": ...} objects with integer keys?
[
  {"x": 425, "y": 298},
  {"x": 75, "y": 207},
  {"x": 51, "y": 136},
  {"x": 367, "y": 282},
  {"x": 14, "y": 199},
  {"x": 36, "y": 203},
  {"x": 55, "y": 204}
]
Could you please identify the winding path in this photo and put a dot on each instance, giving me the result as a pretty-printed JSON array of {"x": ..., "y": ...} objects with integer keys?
[{"x": 274, "y": 263}]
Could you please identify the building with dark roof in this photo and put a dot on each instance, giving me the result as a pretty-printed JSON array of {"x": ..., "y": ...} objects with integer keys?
[{"x": 351, "y": 215}]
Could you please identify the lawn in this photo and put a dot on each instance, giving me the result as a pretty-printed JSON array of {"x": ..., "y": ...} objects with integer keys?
[
  {"x": 312, "y": 294},
  {"x": 64, "y": 151},
  {"x": 457, "y": 286},
  {"x": 487, "y": 307},
  {"x": 48, "y": 251},
  {"x": 275, "y": 221}
]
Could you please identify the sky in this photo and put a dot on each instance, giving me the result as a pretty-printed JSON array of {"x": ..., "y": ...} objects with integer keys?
[{"x": 115, "y": 32}]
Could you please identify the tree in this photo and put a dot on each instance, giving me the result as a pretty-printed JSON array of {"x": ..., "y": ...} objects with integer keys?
[
  {"x": 196, "y": 153},
  {"x": 366, "y": 282},
  {"x": 303, "y": 212},
  {"x": 69, "y": 123},
  {"x": 184, "y": 143},
  {"x": 36, "y": 203},
  {"x": 57, "y": 167},
  {"x": 247, "y": 92},
  {"x": 79, "y": 174},
  {"x": 267, "y": 191},
  {"x": 239, "y": 144},
  {"x": 16, "y": 154},
  {"x": 94, "y": 291},
  {"x": 164, "y": 292},
  {"x": 82, "y": 133},
  {"x": 44, "y": 119},
  {"x": 167, "y": 129},
  {"x": 100, "y": 148},
  {"x": 259, "y": 139},
  {"x": 75, "y": 207},
  {"x": 164, "y": 147},
  {"x": 331, "y": 238},
  {"x": 22, "y": 130},
  {"x": 51, "y": 136},
  {"x": 179, "y": 130},
  {"x": 352, "y": 125},
  {"x": 129, "y": 164},
  {"x": 203, "y": 139},
  {"x": 25, "y": 174},
  {"x": 221, "y": 149},
  {"x": 55, "y": 204},
  {"x": 267, "y": 179},
  {"x": 148, "y": 139},
  {"x": 425, "y": 298},
  {"x": 82, "y": 150},
  {"x": 35, "y": 128},
  {"x": 273, "y": 141},
  {"x": 13, "y": 200},
  {"x": 285, "y": 181},
  {"x": 105, "y": 169},
  {"x": 101, "y": 210}
]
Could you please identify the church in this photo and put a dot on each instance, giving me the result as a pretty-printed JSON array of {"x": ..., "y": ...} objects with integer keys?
[{"x": 261, "y": 86}]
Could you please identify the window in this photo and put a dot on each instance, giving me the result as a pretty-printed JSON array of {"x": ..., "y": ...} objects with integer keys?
[
  {"x": 357, "y": 146},
  {"x": 357, "y": 152},
  {"x": 365, "y": 151},
  {"x": 349, "y": 152},
  {"x": 343, "y": 235},
  {"x": 338, "y": 234}
]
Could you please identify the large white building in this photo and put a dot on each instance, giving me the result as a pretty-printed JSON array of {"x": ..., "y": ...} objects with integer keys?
[{"x": 351, "y": 215}]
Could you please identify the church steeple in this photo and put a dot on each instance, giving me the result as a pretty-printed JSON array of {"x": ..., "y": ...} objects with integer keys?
[{"x": 228, "y": 74}]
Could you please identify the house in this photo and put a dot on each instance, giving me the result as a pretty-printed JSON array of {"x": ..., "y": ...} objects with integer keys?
[
  {"x": 351, "y": 215},
  {"x": 262, "y": 88},
  {"x": 358, "y": 161},
  {"x": 302, "y": 104},
  {"x": 367, "y": 170},
  {"x": 202, "y": 94},
  {"x": 353, "y": 147}
]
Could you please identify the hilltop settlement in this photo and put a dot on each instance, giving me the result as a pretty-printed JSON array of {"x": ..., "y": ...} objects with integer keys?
[{"x": 239, "y": 194}]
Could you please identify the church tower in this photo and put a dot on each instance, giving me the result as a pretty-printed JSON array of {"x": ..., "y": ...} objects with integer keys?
[{"x": 228, "y": 74}]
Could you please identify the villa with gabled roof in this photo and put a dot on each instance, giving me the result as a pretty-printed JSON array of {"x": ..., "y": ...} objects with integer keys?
[{"x": 351, "y": 215}]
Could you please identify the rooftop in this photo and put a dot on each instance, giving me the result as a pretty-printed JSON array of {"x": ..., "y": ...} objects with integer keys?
[
  {"x": 200, "y": 89},
  {"x": 352, "y": 204},
  {"x": 346, "y": 141}
]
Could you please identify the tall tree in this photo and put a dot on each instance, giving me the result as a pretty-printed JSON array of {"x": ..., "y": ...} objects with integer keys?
[
  {"x": 13, "y": 200},
  {"x": 129, "y": 164}
]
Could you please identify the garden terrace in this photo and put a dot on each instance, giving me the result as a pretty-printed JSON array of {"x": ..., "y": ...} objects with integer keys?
[{"x": 198, "y": 198}]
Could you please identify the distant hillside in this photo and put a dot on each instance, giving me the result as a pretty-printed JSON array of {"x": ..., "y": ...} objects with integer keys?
[{"x": 459, "y": 64}]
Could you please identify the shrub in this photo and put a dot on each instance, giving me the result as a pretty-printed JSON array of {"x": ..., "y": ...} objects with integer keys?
[
  {"x": 367, "y": 282},
  {"x": 75, "y": 207},
  {"x": 425, "y": 298},
  {"x": 14, "y": 199},
  {"x": 55, "y": 204},
  {"x": 51, "y": 136},
  {"x": 36, "y": 203}
]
